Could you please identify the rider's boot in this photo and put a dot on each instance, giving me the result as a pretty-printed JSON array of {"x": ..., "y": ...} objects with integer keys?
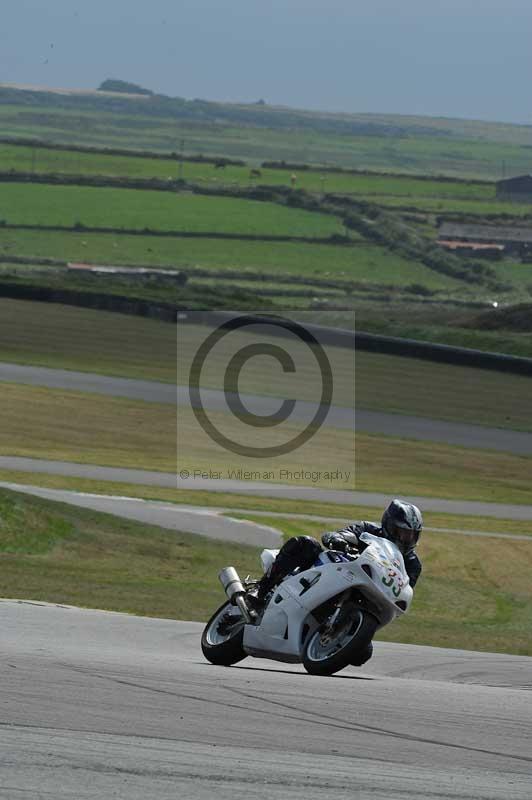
[{"x": 257, "y": 596}]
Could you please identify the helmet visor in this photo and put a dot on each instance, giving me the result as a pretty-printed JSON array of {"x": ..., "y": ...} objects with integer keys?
[{"x": 404, "y": 538}]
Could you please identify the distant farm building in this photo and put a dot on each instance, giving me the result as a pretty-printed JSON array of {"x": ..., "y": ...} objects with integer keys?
[
  {"x": 517, "y": 189},
  {"x": 485, "y": 239},
  {"x": 489, "y": 249}
]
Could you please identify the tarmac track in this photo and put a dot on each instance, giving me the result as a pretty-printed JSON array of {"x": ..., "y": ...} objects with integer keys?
[
  {"x": 102, "y": 705},
  {"x": 98, "y": 705},
  {"x": 364, "y": 421}
]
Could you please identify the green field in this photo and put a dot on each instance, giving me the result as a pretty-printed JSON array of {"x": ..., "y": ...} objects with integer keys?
[
  {"x": 382, "y": 278},
  {"x": 391, "y": 191},
  {"x": 60, "y": 554},
  {"x": 520, "y": 274},
  {"x": 43, "y": 161},
  {"x": 445, "y": 205},
  {"x": 364, "y": 262},
  {"x": 400, "y": 143},
  {"x": 162, "y": 211}
]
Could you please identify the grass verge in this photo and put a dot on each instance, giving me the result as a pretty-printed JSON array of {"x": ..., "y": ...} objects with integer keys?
[
  {"x": 60, "y": 554},
  {"x": 442, "y": 391},
  {"x": 66, "y": 337},
  {"x": 86, "y": 428},
  {"x": 94, "y": 429},
  {"x": 431, "y": 469}
]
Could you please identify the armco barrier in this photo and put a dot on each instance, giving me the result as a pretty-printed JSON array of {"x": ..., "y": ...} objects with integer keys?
[
  {"x": 338, "y": 337},
  {"x": 96, "y": 300},
  {"x": 443, "y": 353},
  {"x": 391, "y": 345}
]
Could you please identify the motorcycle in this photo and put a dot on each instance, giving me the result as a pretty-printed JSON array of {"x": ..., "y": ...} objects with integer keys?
[{"x": 324, "y": 617}]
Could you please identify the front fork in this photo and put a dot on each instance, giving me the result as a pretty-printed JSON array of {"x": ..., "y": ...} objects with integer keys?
[{"x": 336, "y": 619}]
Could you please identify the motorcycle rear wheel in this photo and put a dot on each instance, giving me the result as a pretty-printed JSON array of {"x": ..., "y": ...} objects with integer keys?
[
  {"x": 221, "y": 640},
  {"x": 327, "y": 653}
]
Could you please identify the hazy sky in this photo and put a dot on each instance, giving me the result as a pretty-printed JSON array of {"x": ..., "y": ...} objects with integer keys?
[{"x": 462, "y": 58}]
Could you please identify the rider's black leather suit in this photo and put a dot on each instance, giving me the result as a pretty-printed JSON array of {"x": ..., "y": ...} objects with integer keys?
[
  {"x": 350, "y": 535},
  {"x": 302, "y": 552}
]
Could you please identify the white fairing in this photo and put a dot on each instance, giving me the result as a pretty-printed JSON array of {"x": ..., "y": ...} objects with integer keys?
[
  {"x": 267, "y": 558},
  {"x": 378, "y": 573}
]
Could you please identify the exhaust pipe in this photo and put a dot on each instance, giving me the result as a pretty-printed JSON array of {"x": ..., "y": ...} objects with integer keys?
[{"x": 234, "y": 589}]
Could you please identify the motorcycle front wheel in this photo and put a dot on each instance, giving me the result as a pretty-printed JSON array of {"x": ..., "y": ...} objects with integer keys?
[
  {"x": 221, "y": 640},
  {"x": 328, "y": 651}
]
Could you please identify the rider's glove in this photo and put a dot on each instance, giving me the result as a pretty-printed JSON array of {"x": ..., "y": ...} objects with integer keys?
[{"x": 334, "y": 541}]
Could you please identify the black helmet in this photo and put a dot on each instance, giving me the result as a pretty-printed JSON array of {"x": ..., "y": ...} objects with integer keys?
[{"x": 401, "y": 524}]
